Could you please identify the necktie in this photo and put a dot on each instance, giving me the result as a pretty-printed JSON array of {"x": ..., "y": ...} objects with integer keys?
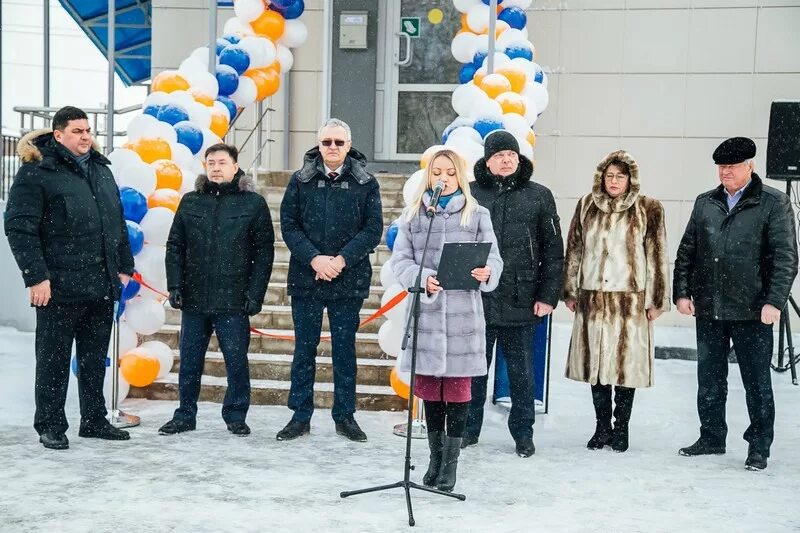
[{"x": 333, "y": 175}]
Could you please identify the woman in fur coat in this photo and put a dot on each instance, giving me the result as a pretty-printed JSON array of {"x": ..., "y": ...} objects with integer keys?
[
  {"x": 615, "y": 281},
  {"x": 451, "y": 346}
]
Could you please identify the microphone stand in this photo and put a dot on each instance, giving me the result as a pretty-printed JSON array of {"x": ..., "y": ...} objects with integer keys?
[{"x": 406, "y": 484}]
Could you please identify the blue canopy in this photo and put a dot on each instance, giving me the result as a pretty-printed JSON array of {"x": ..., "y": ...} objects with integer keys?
[{"x": 132, "y": 35}]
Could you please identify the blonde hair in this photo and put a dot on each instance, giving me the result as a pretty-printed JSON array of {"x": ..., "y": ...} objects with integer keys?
[{"x": 470, "y": 206}]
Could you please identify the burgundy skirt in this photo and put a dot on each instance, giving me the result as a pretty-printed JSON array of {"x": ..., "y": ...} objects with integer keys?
[{"x": 435, "y": 389}]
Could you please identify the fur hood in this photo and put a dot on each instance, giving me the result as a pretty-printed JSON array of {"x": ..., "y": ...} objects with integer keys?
[
  {"x": 36, "y": 145},
  {"x": 355, "y": 163},
  {"x": 241, "y": 182},
  {"x": 622, "y": 202},
  {"x": 486, "y": 179}
]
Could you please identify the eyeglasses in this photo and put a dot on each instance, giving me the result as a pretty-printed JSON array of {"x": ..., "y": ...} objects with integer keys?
[
  {"x": 337, "y": 142},
  {"x": 616, "y": 177}
]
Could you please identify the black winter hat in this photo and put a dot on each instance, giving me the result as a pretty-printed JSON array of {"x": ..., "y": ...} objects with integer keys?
[
  {"x": 497, "y": 141},
  {"x": 734, "y": 150}
]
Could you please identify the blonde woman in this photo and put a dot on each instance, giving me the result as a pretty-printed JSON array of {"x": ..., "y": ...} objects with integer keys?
[
  {"x": 615, "y": 281},
  {"x": 451, "y": 345}
]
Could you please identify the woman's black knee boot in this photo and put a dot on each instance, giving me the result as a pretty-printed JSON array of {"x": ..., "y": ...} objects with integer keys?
[
  {"x": 447, "y": 474},
  {"x": 623, "y": 397},
  {"x": 601, "y": 397},
  {"x": 435, "y": 443}
]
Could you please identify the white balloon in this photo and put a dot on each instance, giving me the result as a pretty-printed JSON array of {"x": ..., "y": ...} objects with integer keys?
[
  {"x": 524, "y": 147},
  {"x": 255, "y": 50},
  {"x": 139, "y": 176},
  {"x": 181, "y": 154},
  {"x": 163, "y": 353},
  {"x": 485, "y": 107},
  {"x": 123, "y": 387},
  {"x": 464, "y": 95},
  {"x": 150, "y": 262},
  {"x": 200, "y": 115},
  {"x": 295, "y": 34},
  {"x": 183, "y": 99},
  {"x": 143, "y": 125},
  {"x": 205, "y": 83},
  {"x": 469, "y": 150},
  {"x": 145, "y": 316},
  {"x": 156, "y": 224},
  {"x": 524, "y": 4},
  {"x": 222, "y": 108},
  {"x": 127, "y": 338},
  {"x": 189, "y": 179},
  {"x": 499, "y": 59},
  {"x": 163, "y": 130},
  {"x": 412, "y": 185},
  {"x": 156, "y": 98},
  {"x": 511, "y": 35},
  {"x": 245, "y": 93},
  {"x": 248, "y": 10},
  {"x": 270, "y": 51},
  {"x": 464, "y": 46},
  {"x": 465, "y": 5},
  {"x": 209, "y": 138},
  {"x": 190, "y": 67},
  {"x": 285, "y": 58},
  {"x": 200, "y": 55},
  {"x": 387, "y": 275},
  {"x": 478, "y": 18},
  {"x": 536, "y": 93},
  {"x": 390, "y": 337},
  {"x": 398, "y": 312},
  {"x": 236, "y": 26},
  {"x": 516, "y": 124},
  {"x": 466, "y": 132},
  {"x": 150, "y": 294},
  {"x": 123, "y": 159}
]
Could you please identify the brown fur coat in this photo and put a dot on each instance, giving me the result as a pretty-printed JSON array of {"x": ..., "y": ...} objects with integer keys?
[{"x": 615, "y": 268}]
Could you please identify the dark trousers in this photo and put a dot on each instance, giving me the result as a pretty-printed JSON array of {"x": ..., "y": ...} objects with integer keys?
[
  {"x": 343, "y": 315},
  {"x": 57, "y": 325},
  {"x": 516, "y": 343},
  {"x": 752, "y": 342},
  {"x": 233, "y": 333},
  {"x": 449, "y": 415}
]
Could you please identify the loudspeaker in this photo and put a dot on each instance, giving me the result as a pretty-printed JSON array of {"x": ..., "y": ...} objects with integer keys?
[{"x": 783, "y": 145}]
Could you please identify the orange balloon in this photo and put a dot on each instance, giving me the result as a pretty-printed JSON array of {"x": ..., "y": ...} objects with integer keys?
[
  {"x": 267, "y": 81},
  {"x": 401, "y": 389},
  {"x": 168, "y": 174},
  {"x": 531, "y": 139},
  {"x": 169, "y": 198},
  {"x": 477, "y": 79},
  {"x": 138, "y": 369},
  {"x": 202, "y": 98},
  {"x": 219, "y": 123},
  {"x": 516, "y": 77},
  {"x": 498, "y": 29},
  {"x": 464, "y": 25},
  {"x": 511, "y": 102},
  {"x": 169, "y": 81},
  {"x": 495, "y": 85},
  {"x": 270, "y": 24},
  {"x": 151, "y": 150}
]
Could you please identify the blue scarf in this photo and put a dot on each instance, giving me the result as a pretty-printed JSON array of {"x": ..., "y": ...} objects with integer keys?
[{"x": 444, "y": 200}]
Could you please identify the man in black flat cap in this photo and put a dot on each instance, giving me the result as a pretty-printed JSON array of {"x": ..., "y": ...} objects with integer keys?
[{"x": 735, "y": 266}]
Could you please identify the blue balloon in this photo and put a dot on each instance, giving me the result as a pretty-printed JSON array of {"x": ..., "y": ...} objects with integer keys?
[
  {"x": 222, "y": 43},
  {"x": 74, "y": 365},
  {"x": 539, "y": 76},
  {"x": 172, "y": 114},
  {"x": 281, "y": 4},
  {"x": 485, "y": 126},
  {"x": 466, "y": 73},
  {"x": 130, "y": 290},
  {"x": 391, "y": 235},
  {"x": 478, "y": 59},
  {"x": 235, "y": 56},
  {"x": 489, "y": 2},
  {"x": 152, "y": 110},
  {"x": 134, "y": 204},
  {"x": 515, "y": 51},
  {"x": 233, "y": 39},
  {"x": 230, "y": 104},
  {"x": 135, "y": 237},
  {"x": 227, "y": 79},
  {"x": 293, "y": 11},
  {"x": 189, "y": 135},
  {"x": 514, "y": 17}
]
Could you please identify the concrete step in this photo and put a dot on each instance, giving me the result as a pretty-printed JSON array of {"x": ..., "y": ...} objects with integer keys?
[
  {"x": 280, "y": 178},
  {"x": 274, "y": 196},
  {"x": 280, "y": 317},
  {"x": 366, "y": 343},
  {"x": 277, "y": 295},
  {"x": 280, "y": 269},
  {"x": 278, "y": 367},
  {"x": 269, "y": 392}
]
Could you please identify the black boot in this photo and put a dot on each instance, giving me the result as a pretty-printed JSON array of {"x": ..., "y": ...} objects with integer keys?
[
  {"x": 435, "y": 443},
  {"x": 447, "y": 473},
  {"x": 623, "y": 397},
  {"x": 601, "y": 398}
]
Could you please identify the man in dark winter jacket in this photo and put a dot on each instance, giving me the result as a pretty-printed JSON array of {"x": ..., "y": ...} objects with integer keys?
[
  {"x": 529, "y": 236},
  {"x": 219, "y": 261},
  {"x": 331, "y": 220},
  {"x": 66, "y": 230},
  {"x": 734, "y": 269}
]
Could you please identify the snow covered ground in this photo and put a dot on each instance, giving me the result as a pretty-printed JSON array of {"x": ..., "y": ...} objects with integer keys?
[{"x": 211, "y": 481}]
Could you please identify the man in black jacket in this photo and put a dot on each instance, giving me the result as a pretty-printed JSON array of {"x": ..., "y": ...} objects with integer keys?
[
  {"x": 529, "y": 237},
  {"x": 331, "y": 220},
  {"x": 66, "y": 230},
  {"x": 219, "y": 261},
  {"x": 734, "y": 269}
]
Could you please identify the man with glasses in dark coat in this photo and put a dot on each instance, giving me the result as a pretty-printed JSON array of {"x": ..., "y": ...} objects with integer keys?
[
  {"x": 331, "y": 220},
  {"x": 66, "y": 229},
  {"x": 733, "y": 271}
]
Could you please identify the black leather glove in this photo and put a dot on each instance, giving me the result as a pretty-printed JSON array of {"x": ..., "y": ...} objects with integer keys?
[
  {"x": 175, "y": 299},
  {"x": 251, "y": 307}
]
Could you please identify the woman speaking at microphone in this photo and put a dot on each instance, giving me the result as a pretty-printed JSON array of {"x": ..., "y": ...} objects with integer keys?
[{"x": 451, "y": 344}]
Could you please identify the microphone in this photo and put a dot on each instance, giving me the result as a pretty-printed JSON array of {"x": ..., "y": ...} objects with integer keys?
[{"x": 430, "y": 212}]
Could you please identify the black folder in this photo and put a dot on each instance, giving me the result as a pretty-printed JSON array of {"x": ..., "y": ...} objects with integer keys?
[{"x": 458, "y": 260}]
